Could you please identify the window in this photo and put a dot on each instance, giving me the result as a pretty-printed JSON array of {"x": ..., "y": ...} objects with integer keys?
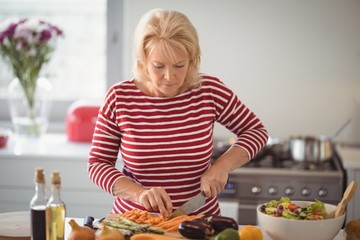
[{"x": 78, "y": 66}]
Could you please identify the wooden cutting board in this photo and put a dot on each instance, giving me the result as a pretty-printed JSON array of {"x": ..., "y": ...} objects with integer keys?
[{"x": 15, "y": 226}]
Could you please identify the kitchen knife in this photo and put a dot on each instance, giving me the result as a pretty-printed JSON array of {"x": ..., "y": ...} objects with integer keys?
[{"x": 191, "y": 205}]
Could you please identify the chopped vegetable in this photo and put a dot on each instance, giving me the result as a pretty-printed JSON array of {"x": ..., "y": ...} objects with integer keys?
[
  {"x": 143, "y": 217},
  {"x": 173, "y": 224},
  {"x": 151, "y": 236}
]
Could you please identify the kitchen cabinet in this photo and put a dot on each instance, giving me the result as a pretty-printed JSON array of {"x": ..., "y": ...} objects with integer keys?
[
  {"x": 351, "y": 161},
  {"x": 53, "y": 152}
]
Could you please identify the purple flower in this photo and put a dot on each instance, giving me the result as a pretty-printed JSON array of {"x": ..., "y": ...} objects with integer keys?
[
  {"x": 57, "y": 30},
  {"x": 27, "y": 40},
  {"x": 45, "y": 35},
  {"x": 52, "y": 28},
  {"x": 2, "y": 37},
  {"x": 9, "y": 32}
]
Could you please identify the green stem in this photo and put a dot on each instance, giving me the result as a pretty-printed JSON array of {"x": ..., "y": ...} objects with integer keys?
[{"x": 29, "y": 91}]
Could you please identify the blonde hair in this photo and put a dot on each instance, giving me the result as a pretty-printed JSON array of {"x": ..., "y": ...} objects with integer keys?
[{"x": 170, "y": 30}]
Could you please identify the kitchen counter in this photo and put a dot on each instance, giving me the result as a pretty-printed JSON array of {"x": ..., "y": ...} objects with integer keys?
[
  {"x": 350, "y": 156},
  {"x": 49, "y": 146},
  {"x": 19, "y": 222},
  {"x": 80, "y": 221}
]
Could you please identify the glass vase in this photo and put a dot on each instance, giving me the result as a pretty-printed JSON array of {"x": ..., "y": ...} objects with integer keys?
[{"x": 30, "y": 119}]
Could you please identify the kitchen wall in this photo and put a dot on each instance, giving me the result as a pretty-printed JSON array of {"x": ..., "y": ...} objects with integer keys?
[{"x": 296, "y": 64}]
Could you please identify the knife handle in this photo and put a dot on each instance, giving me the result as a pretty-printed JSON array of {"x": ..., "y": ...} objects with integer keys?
[{"x": 88, "y": 221}]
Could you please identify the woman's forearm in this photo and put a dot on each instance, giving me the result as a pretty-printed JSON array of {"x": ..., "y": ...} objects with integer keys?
[
  {"x": 127, "y": 189},
  {"x": 233, "y": 158}
]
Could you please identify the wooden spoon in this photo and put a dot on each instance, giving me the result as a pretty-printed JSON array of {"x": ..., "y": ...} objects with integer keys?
[{"x": 348, "y": 195}]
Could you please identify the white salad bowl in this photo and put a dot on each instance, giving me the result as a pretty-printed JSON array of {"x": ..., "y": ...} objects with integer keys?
[{"x": 280, "y": 228}]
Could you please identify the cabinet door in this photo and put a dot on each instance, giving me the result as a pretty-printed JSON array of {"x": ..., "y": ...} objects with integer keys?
[
  {"x": 81, "y": 196},
  {"x": 353, "y": 207}
]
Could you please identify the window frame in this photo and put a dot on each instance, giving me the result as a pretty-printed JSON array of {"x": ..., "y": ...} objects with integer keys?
[{"x": 114, "y": 69}]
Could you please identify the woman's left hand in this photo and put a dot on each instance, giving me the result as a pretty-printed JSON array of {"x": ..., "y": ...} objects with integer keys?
[{"x": 213, "y": 181}]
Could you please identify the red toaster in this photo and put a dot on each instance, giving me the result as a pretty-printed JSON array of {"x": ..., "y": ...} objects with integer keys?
[{"x": 80, "y": 120}]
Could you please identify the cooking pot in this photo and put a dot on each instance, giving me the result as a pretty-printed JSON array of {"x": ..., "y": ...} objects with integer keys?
[
  {"x": 314, "y": 149},
  {"x": 310, "y": 148}
]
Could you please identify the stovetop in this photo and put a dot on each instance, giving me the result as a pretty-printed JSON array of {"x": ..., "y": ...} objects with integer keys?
[
  {"x": 284, "y": 161},
  {"x": 278, "y": 156}
]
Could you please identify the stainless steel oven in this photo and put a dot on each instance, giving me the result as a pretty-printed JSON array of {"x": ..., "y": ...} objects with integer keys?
[{"x": 272, "y": 174}]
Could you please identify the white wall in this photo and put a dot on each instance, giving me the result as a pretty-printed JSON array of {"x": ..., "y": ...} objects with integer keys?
[{"x": 296, "y": 64}]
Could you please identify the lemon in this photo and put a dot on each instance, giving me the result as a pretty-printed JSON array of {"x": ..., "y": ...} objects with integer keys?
[
  {"x": 250, "y": 232},
  {"x": 228, "y": 234}
]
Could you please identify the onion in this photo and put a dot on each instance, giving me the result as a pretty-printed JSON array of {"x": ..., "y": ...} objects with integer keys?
[
  {"x": 79, "y": 232},
  {"x": 109, "y": 233}
]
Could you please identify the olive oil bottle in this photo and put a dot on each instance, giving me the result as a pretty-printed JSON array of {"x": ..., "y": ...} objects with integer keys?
[
  {"x": 38, "y": 207},
  {"x": 55, "y": 210}
]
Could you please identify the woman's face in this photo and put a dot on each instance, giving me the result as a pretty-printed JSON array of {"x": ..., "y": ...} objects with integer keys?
[{"x": 166, "y": 76}]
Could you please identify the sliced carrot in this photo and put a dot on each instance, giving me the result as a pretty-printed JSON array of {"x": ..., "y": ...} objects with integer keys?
[{"x": 151, "y": 236}]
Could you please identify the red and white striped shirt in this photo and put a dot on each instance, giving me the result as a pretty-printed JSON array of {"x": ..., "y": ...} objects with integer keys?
[{"x": 167, "y": 142}]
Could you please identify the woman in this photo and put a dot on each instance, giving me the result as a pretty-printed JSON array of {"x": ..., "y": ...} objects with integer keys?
[{"x": 162, "y": 123}]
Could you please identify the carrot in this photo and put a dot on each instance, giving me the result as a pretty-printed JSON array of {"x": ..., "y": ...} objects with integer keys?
[
  {"x": 151, "y": 236},
  {"x": 141, "y": 217},
  {"x": 173, "y": 224},
  {"x": 172, "y": 220}
]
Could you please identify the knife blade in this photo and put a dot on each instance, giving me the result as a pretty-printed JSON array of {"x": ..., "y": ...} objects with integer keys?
[{"x": 191, "y": 205}]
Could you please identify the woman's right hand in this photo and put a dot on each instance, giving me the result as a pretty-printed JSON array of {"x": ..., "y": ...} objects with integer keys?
[{"x": 155, "y": 199}]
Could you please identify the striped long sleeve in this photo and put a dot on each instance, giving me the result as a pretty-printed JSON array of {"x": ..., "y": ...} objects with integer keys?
[{"x": 167, "y": 142}]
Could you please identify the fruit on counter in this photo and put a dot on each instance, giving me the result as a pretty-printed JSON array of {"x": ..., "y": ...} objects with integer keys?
[
  {"x": 250, "y": 232},
  {"x": 108, "y": 233},
  {"x": 352, "y": 230},
  {"x": 151, "y": 236},
  {"x": 80, "y": 233},
  {"x": 196, "y": 229},
  {"x": 228, "y": 234},
  {"x": 220, "y": 223}
]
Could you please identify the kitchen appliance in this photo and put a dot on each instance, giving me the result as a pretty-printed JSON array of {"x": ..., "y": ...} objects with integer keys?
[
  {"x": 273, "y": 174},
  {"x": 311, "y": 148},
  {"x": 80, "y": 120},
  {"x": 191, "y": 205}
]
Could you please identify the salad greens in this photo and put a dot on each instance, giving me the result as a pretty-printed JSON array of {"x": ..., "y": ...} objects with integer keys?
[{"x": 285, "y": 208}]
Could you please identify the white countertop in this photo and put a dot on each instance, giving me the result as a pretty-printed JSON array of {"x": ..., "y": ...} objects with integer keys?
[
  {"x": 350, "y": 156},
  {"x": 49, "y": 145}
]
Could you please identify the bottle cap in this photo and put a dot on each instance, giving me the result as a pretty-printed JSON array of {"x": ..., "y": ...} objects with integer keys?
[
  {"x": 55, "y": 177},
  {"x": 39, "y": 175}
]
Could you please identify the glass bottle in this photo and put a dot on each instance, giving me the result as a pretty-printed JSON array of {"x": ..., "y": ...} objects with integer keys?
[
  {"x": 38, "y": 207},
  {"x": 55, "y": 210}
]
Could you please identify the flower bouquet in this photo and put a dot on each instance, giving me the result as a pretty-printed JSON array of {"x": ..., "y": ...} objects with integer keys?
[{"x": 27, "y": 45}]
